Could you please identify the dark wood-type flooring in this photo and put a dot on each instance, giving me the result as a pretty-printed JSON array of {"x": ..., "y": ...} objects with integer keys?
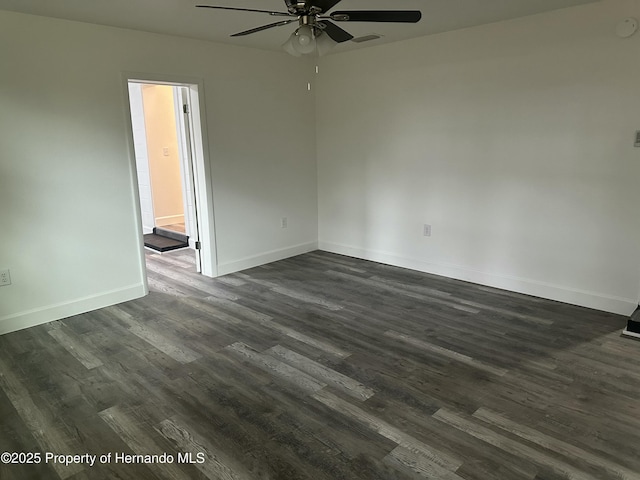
[{"x": 324, "y": 367}]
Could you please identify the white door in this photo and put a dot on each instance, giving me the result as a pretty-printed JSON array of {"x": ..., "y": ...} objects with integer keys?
[{"x": 184, "y": 124}]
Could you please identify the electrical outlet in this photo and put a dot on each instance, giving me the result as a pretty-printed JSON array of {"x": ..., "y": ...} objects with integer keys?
[
  {"x": 427, "y": 230},
  {"x": 5, "y": 278},
  {"x": 283, "y": 222}
]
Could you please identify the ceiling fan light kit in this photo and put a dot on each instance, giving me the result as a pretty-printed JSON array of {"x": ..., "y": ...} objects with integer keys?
[
  {"x": 304, "y": 40},
  {"x": 289, "y": 48},
  {"x": 324, "y": 44},
  {"x": 316, "y": 32}
]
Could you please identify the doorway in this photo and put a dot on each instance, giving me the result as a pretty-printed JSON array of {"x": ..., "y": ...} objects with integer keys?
[{"x": 175, "y": 209}]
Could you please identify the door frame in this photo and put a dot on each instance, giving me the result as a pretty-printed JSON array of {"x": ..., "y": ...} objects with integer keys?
[{"x": 201, "y": 164}]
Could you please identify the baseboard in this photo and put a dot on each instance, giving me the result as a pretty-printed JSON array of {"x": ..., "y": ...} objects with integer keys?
[
  {"x": 597, "y": 301},
  {"x": 38, "y": 316},
  {"x": 169, "y": 220},
  {"x": 266, "y": 257}
]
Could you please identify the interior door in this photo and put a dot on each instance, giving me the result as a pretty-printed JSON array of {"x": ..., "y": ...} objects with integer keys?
[{"x": 191, "y": 210}]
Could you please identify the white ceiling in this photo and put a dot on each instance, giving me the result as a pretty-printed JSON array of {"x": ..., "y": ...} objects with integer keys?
[{"x": 180, "y": 17}]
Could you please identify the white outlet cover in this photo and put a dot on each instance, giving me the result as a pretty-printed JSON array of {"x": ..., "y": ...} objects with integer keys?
[{"x": 627, "y": 27}]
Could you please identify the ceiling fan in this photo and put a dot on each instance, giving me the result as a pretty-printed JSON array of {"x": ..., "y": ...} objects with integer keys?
[{"x": 316, "y": 30}]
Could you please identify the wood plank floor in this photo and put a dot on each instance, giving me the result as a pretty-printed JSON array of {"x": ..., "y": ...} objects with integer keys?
[{"x": 324, "y": 367}]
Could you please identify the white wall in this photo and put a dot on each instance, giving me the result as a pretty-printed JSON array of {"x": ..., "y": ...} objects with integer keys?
[
  {"x": 66, "y": 172},
  {"x": 163, "y": 154},
  {"x": 514, "y": 140}
]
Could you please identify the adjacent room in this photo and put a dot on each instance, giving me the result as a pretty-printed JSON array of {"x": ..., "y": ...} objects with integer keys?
[{"x": 399, "y": 239}]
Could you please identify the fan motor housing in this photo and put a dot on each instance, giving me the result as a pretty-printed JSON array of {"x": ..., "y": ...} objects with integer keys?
[
  {"x": 297, "y": 6},
  {"x": 308, "y": 20}
]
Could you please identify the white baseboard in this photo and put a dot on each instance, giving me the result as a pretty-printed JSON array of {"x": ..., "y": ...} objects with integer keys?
[
  {"x": 169, "y": 220},
  {"x": 266, "y": 257},
  {"x": 595, "y": 300},
  {"x": 38, "y": 316}
]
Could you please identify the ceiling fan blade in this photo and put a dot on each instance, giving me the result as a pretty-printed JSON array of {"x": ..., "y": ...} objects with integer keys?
[
  {"x": 275, "y": 14},
  {"x": 399, "y": 16},
  {"x": 336, "y": 33},
  {"x": 264, "y": 27},
  {"x": 325, "y": 5}
]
